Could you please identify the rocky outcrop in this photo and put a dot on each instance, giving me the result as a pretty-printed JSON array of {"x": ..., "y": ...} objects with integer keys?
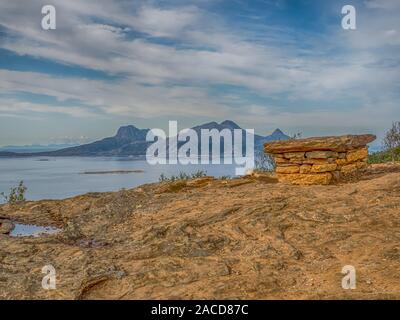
[
  {"x": 245, "y": 238},
  {"x": 320, "y": 160}
]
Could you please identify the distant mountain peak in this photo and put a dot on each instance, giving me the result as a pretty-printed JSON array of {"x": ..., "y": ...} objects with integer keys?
[
  {"x": 230, "y": 124},
  {"x": 131, "y": 141},
  {"x": 126, "y": 132},
  {"x": 277, "y": 132},
  {"x": 227, "y": 124},
  {"x": 212, "y": 123},
  {"x": 130, "y": 132}
]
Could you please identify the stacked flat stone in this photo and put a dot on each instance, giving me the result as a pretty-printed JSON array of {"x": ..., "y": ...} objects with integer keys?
[{"x": 320, "y": 160}]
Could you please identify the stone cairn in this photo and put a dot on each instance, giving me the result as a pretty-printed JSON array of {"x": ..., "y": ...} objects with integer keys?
[{"x": 320, "y": 160}]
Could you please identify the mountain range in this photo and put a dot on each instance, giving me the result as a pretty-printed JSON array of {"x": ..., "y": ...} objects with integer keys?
[{"x": 131, "y": 141}]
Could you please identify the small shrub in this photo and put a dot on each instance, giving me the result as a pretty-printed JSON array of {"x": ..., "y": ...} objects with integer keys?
[
  {"x": 198, "y": 174},
  {"x": 385, "y": 156},
  {"x": 391, "y": 146},
  {"x": 16, "y": 195},
  {"x": 182, "y": 176},
  {"x": 391, "y": 141}
]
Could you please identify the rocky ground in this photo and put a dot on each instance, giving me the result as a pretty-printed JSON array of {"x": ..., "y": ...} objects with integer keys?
[{"x": 247, "y": 238}]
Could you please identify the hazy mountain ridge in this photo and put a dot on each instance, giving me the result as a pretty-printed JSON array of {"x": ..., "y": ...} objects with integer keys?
[
  {"x": 131, "y": 141},
  {"x": 35, "y": 148}
]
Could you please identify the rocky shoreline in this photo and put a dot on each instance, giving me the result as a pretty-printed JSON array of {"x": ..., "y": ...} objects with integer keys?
[{"x": 247, "y": 238}]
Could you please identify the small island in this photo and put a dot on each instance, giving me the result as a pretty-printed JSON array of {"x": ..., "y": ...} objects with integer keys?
[{"x": 113, "y": 172}]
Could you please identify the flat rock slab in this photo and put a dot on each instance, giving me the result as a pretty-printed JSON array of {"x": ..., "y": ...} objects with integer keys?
[{"x": 333, "y": 143}]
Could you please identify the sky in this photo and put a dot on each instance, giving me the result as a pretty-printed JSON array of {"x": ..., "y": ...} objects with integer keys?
[{"x": 263, "y": 63}]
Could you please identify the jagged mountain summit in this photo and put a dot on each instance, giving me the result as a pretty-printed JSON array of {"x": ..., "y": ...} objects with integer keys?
[
  {"x": 131, "y": 133},
  {"x": 128, "y": 140},
  {"x": 131, "y": 141},
  {"x": 278, "y": 135}
]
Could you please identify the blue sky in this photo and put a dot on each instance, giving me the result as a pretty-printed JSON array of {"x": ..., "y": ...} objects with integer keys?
[{"x": 261, "y": 63}]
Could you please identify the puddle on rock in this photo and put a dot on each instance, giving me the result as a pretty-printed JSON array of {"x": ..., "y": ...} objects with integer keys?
[{"x": 31, "y": 230}]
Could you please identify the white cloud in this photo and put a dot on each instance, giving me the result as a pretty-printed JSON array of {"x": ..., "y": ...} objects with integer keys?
[
  {"x": 200, "y": 51},
  {"x": 383, "y": 4},
  {"x": 121, "y": 98},
  {"x": 12, "y": 107}
]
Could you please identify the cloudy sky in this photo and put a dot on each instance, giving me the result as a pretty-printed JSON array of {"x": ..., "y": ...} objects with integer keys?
[{"x": 261, "y": 63}]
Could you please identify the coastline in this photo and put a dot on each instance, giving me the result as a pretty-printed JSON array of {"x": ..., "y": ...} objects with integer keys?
[{"x": 245, "y": 238}]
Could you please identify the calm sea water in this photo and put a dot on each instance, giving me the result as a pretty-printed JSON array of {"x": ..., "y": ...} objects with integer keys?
[{"x": 61, "y": 177}]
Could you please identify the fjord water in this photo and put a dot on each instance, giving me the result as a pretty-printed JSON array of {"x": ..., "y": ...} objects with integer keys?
[{"x": 62, "y": 177}]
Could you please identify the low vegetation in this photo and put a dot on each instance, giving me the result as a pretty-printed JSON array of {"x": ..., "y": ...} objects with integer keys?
[
  {"x": 16, "y": 194},
  {"x": 391, "y": 144},
  {"x": 182, "y": 176},
  {"x": 391, "y": 155}
]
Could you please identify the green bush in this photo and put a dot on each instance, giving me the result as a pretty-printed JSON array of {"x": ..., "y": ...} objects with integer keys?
[
  {"x": 182, "y": 176},
  {"x": 385, "y": 156},
  {"x": 16, "y": 195}
]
